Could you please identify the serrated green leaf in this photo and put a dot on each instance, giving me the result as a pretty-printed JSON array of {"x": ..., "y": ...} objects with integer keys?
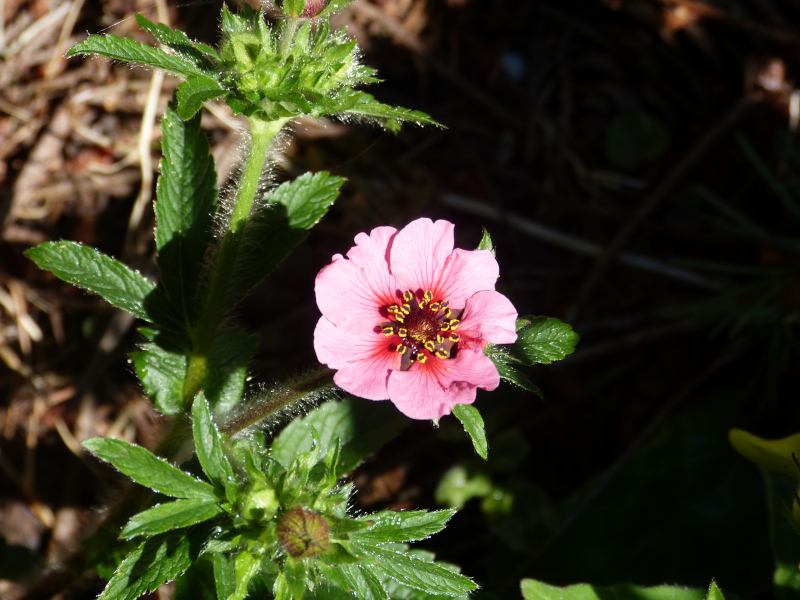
[
  {"x": 177, "y": 41},
  {"x": 170, "y": 515},
  {"x": 419, "y": 574},
  {"x": 538, "y": 590},
  {"x": 161, "y": 369},
  {"x": 472, "y": 421},
  {"x": 362, "y": 581},
  {"x": 544, "y": 340},
  {"x": 333, "y": 6},
  {"x": 186, "y": 200},
  {"x": 279, "y": 224},
  {"x": 405, "y": 526},
  {"x": 130, "y": 51},
  {"x": 361, "y": 427},
  {"x": 208, "y": 445},
  {"x": 224, "y": 575},
  {"x": 146, "y": 469},
  {"x": 194, "y": 92},
  {"x": 486, "y": 243},
  {"x": 91, "y": 270},
  {"x": 390, "y": 117},
  {"x": 226, "y": 372},
  {"x": 714, "y": 593},
  {"x": 158, "y": 560},
  {"x": 501, "y": 357},
  {"x": 246, "y": 566}
]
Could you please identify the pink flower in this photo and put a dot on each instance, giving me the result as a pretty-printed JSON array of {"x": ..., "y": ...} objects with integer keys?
[{"x": 405, "y": 317}]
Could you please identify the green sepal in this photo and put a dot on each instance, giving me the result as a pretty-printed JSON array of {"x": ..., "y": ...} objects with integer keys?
[
  {"x": 118, "y": 285},
  {"x": 472, "y": 421},
  {"x": 171, "y": 515},
  {"x": 147, "y": 469}
]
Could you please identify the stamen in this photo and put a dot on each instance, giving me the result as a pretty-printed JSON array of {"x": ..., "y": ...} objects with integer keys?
[
  {"x": 421, "y": 358},
  {"x": 406, "y": 308},
  {"x": 399, "y": 318},
  {"x": 454, "y": 323},
  {"x": 447, "y": 313},
  {"x": 441, "y": 354},
  {"x": 402, "y": 332},
  {"x": 401, "y": 348},
  {"x": 454, "y": 337},
  {"x": 387, "y": 331},
  {"x": 439, "y": 339},
  {"x": 445, "y": 325},
  {"x": 429, "y": 346},
  {"x": 408, "y": 296},
  {"x": 427, "y": 296},
  {"x": 393, "y": 308},
  {"x": 435, "y": 307}
]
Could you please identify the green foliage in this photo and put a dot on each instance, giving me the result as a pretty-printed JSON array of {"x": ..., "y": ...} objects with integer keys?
[
  {"x": 172, "y": 515},
  {"x": 361, "y": 428},
  {"x": 146, "y": 469},
  {"x": 486, "y": 243},
  {"x": 278, "y": 224},
  {"x": 186, "y": 200},
  {"x": 209, "y": 447},
  {"x": 540, "y": 340},
  {"x": 472, "y": 421},
  {"x": 87, "y": 268},
  {"x": 538, "y": 590},
  {"x": 277, "y": 72}
]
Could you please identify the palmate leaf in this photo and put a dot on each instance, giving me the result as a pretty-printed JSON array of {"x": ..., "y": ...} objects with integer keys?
[
  {"x": 473, "y": 424},
  {"x": 279, "y": 224},
  {"x": 158, "y": 560},
  {"x": 171, "y": 515},
  {"x": 405, "y": 526},
  {"x": 147, "y": 469},
  {"x": 186, "y": 200},
  {"x": 89, "y": 269},
  {"x": 130, "y": 51}
]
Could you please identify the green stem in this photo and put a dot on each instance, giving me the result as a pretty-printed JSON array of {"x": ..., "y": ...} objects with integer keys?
[
  {"x": 287, "y": 37},
  {"x": 263, "y": 408},
  {"x": 263, "y": 132}
]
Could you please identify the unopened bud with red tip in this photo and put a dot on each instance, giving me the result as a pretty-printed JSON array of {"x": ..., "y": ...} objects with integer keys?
[
  {"x": 303, "y": 532},
  {"x": 313, "y": 8},
  {"x": 298, "y": 8}
]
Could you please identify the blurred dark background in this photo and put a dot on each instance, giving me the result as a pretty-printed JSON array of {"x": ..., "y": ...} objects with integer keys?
[{"x": 637, "y": 165}]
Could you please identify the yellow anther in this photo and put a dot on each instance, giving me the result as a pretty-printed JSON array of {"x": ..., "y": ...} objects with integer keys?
[
  {"x": 421, "y": 358},
  {"x": 387, "y": 331},
  {"x": 441, "y": 354},
  {"x": 393, "y": 308},
  {"x": 429, "y": 346},
  {"x": 445, "y": 325},
  {"x": 402, "y": 332},
  {"x": 439, "y": 339},
  {"x": 399, "y": 317},
  {"x": 406, "y": 308},
  {"x": 447, "y": 313},
  {"x": 454, "y": 323},
  {"x": 401, "y": 349},
  {"x": 454, "y": 337},
  {"x": 427, "y": 296},
  {"x": 408, "y": 296},
  {"x": 445, "y": 304},
  {"x": 435, "y": 306}
]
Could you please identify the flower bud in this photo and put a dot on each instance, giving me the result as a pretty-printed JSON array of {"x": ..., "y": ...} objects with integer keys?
[
  {"x": 303, "y": 532},
  {"x": 261, "y": 504},
  {"x": 313, "y": 8}
]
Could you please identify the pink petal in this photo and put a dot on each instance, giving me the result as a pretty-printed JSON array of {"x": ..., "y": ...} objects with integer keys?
[
  {"x": 420, "y": 252},
  {"x": 432, "y": 389},
  {"x": 352, "y": 291},
  {"x": 468, "y": 272},
  {"x": 488, "y": 318},
  {"x": 364, "y": 361}
]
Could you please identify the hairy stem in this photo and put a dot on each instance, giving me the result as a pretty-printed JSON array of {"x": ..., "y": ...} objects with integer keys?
[
  {"x": 260, "y": 409},
  {"x": 263, "y": 132}
]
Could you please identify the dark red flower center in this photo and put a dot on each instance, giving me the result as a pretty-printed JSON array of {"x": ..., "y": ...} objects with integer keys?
[{"x": 422, "y": 328}]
